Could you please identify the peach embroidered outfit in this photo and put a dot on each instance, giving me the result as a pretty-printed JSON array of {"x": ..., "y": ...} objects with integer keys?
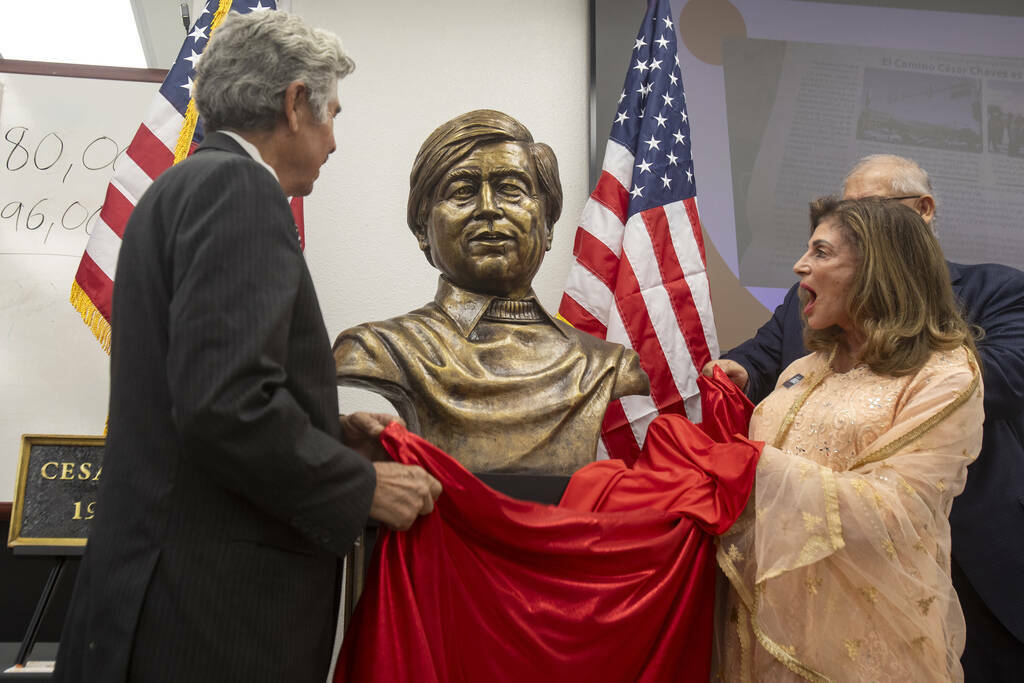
[{"x": 838, "y": 570}]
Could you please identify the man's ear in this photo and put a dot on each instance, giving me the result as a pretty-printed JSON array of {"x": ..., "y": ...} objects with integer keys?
[
  {"x": 296, "y": 96},
  {"x": 925, "y": 206}
]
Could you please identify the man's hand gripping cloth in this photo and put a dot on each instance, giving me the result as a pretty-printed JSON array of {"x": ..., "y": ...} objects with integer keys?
[{"x": 616, "y": 583}]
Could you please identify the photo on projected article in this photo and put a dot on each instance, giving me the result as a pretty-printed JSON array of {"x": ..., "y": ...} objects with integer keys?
[{"x": 960, "y": 116}]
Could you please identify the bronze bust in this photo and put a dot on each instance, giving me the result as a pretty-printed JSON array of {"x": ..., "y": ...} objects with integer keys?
[{"x": 483, "y": 371}]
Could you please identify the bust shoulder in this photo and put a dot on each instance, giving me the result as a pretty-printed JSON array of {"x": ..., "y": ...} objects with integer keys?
[{"x": 630, "y": 377}]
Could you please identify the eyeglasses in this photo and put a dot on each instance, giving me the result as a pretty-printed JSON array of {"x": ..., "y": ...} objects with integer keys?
[{"x": 899, "y": 199}]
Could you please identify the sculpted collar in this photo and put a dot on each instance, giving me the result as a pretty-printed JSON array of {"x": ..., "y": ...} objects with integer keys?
[{"x": 466, "y": 308}]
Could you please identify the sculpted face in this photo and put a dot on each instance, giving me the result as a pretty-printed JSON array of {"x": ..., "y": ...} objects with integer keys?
[{"x": 486, "y": 229}]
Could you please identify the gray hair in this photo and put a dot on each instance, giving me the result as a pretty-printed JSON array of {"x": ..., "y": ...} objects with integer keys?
[
  {"x": 249, "y": 62},
  {"x": 904, "y": 175}
]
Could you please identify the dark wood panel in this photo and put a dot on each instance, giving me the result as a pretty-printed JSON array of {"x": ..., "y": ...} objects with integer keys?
[{"x": 111, "y": 73}]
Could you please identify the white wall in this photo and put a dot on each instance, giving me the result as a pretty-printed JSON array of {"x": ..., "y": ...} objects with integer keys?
[{"x": 418, "y": 64}]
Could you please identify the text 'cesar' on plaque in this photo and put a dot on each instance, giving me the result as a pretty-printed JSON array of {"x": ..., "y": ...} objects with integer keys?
[{"x": 55, "y": 496}]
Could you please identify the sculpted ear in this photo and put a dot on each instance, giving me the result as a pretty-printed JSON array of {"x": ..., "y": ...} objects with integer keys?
[{"x": 424, "y": 242}]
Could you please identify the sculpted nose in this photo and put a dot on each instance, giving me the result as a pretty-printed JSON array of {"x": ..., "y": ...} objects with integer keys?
[{"x": 486, "y": 206}]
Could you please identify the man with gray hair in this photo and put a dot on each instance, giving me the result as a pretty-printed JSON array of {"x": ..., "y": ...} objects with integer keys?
[
  {"x": 227, "y": 495},
  {"x": 987, "y": 519}
]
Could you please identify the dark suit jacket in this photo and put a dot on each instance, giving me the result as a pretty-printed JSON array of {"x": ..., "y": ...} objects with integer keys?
[
  {"x": 987, "y": 519},
  {"x": 226, "y": 496}
]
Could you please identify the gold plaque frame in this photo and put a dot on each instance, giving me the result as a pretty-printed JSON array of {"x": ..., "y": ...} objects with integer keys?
[{"x": 14, "y": 537}]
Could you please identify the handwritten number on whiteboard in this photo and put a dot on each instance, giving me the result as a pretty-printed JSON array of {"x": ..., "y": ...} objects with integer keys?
[
  {"x": 12, "y": 210},
  {"x": 66, "y": 224},
  {"x": 59, "y": 150},
  {"x": 52, "y": 212},
  {"x": 76, "y": 215},
  {"x": 38, "y": 214},
  {"x": 103, "y": 151},
  {"x": 99, "y": 149},
  {"x": 13, "y": 156},
  {"x": 91, "y": 220}
]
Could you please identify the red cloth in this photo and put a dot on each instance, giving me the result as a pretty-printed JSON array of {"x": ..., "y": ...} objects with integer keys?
[{"x": 615, "y": 584}]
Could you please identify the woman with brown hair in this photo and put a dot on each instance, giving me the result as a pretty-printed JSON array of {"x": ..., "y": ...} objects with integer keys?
[{"x": 839, "y": 568}]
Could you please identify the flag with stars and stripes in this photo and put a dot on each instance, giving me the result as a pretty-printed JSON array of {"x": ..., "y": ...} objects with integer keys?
[
  {"x": 170, "y": 131},
  {"x": 639, "y": 274}
]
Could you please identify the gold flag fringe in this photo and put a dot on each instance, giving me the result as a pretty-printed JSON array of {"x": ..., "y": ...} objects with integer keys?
[
  {"x": 188, "y": 126},
  {"x": 188, "y": 131},
  {"x": 91, "y": 315},
  {"x": 79, "y": 299}
]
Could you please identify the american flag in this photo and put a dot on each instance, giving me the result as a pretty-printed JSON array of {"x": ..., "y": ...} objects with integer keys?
[
  {"x": 170, "y": 131},
  {"x": 639, "y": 273}
]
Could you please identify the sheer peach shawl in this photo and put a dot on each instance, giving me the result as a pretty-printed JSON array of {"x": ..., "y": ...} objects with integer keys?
[{"x": 839, "y": 567}]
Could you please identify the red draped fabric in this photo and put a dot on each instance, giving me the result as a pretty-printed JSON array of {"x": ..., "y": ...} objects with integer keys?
[{"x": 616, "y": 583}]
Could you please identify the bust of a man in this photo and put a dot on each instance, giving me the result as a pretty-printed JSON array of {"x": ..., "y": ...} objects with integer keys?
[{"x": 483, "y": 371}]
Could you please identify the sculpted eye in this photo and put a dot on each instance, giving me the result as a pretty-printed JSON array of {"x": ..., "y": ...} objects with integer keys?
[
  {"x": 461, "y": 191},
  {"x": 510, "y": 189}
]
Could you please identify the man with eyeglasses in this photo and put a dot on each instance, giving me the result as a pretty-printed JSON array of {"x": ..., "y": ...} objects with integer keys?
[{"x": 987, "y": 519}]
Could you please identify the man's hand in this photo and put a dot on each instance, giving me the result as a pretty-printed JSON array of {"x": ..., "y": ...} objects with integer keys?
[
  {"x": 359, "y": 431},
  {"x": 736, "y": 372},
  {"x": 403, "y": 493}
]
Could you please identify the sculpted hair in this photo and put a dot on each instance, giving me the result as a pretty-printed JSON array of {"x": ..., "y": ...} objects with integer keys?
[
  {"x": 251, "y": 59},
  {"x": 901, "y": 298},
  {"x": 454, "y": 140}
]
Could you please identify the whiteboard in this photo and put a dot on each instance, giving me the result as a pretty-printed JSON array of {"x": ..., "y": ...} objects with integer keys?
[{"x": 60, "y": 139}]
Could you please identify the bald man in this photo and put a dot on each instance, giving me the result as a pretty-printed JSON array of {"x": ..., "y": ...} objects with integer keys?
[{"x": 987, "y": 519}]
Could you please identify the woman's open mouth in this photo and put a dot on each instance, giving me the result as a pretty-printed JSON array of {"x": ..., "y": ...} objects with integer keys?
[{"x": 810, "y": 296}]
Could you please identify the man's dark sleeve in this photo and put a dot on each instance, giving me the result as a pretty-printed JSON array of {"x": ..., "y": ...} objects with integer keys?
[
  {"x": 767, "y": 354},
  {"x": 998, "y": 308},
  {"x": 242, "y": 315}
]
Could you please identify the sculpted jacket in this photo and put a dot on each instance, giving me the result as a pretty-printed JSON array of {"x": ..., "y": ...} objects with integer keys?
[{"x": 498, "y": 384}]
